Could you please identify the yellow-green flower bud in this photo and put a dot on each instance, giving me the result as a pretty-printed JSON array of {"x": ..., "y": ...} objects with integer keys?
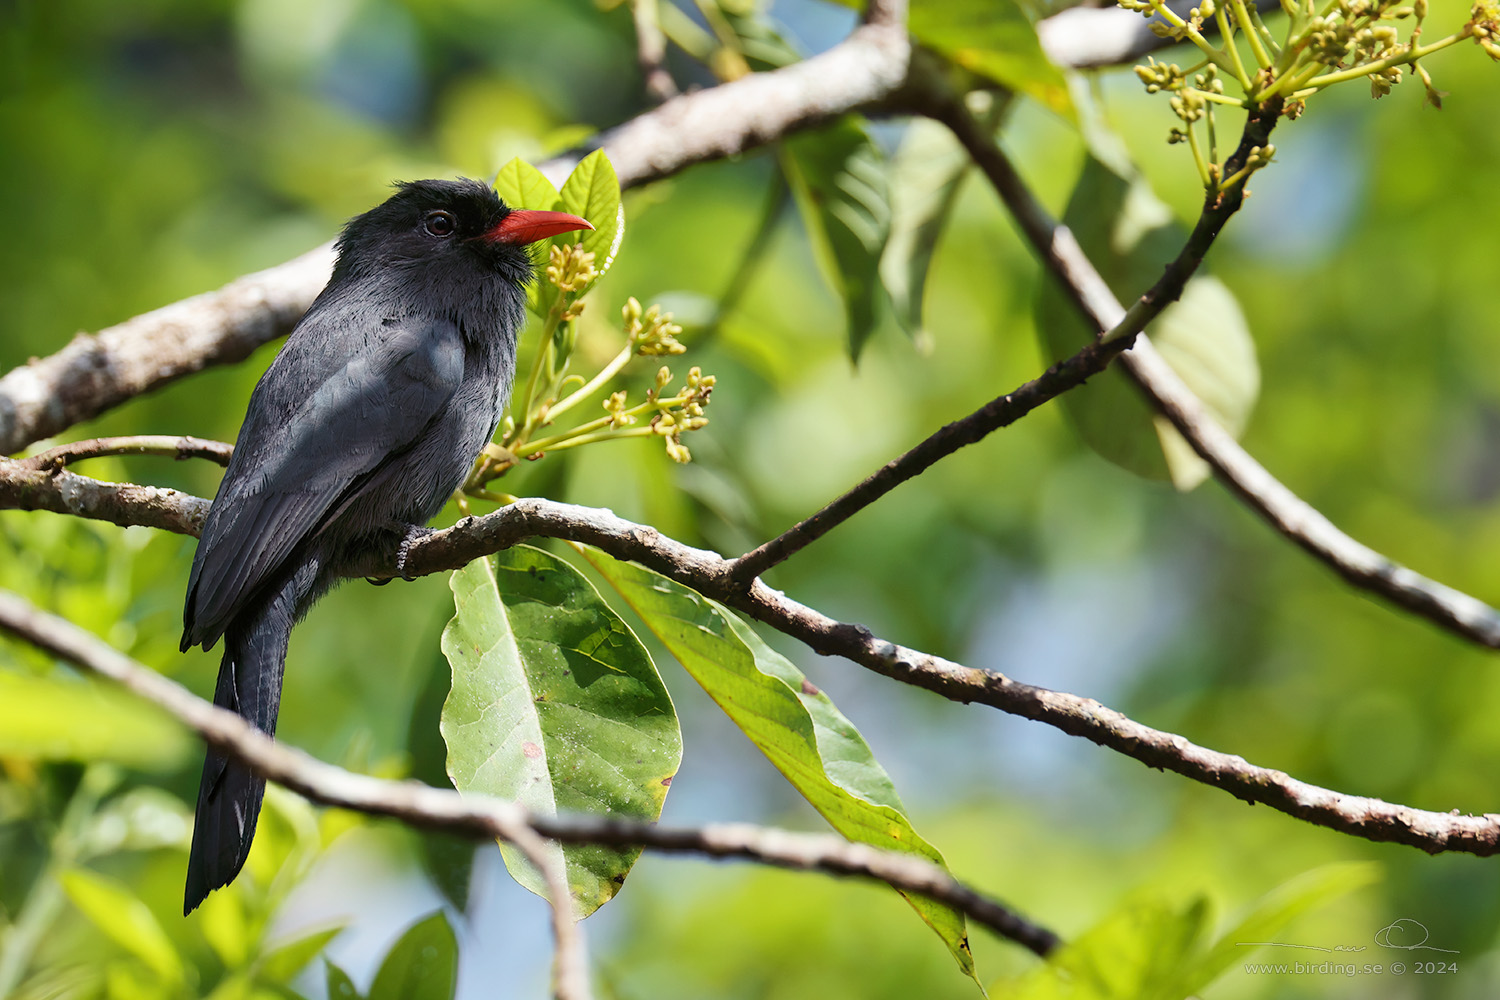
[
  {"x": 615, "y": 407},
  {"x": 570, "y": 267}
]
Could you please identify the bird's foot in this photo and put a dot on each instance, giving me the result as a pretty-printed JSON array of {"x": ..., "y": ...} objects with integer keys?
[{"x": 414, "y": 533}]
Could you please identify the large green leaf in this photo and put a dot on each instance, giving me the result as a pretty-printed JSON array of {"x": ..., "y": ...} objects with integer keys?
[
  {"x": 837, "y": 175},
  {"x": 555, "y": 705},
  {"x": 58, "y": 717},
  {"x": 794, "y": 724},
  {"x": 1130, "y": 236},
  {"x": 422, "y": 965},
  {"x": 123, "y": 918}
]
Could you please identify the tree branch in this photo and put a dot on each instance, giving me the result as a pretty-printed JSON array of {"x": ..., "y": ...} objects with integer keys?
[
  {"x": 709, "y": 574},
  {"x": 1098, "y": 37},
  {"x": 98, "y": 371},
  {"x": 94, "y": 373},
  {"x": 413, "y": 803},
  {"x": 1089, "y": 291},
  {"x": 485, "y": 818},
  {"x": 1293, "y": 517},
  {"x": 180, "y": 448},
  {"x": 997, "y": 413},
  {"x": 1299, "y": 521},
  {"x": 126, "y": 504}
]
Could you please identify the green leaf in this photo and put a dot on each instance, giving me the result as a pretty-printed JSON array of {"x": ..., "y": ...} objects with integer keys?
[
  {"x": 226, "y": 927},
  {"x": 592, "y": 190},
  {"x": 1275, "y": 910},
  {"x": 1130, "y": 236},
  {"x": 340, "y": 986},
  {"x": 126, "y": 980},
  {"x": 283, "y": 961},
  {"x": 996, "y": 39},
  {"x": 556, "y": 705},
  {"x": 993, "y": 38},
  {"x": 520, "y": 185},
  {"x": 1136, "y": 953},
  {"x": 837, "y": 176},
  {"x": 114, "y": 910},
  {"x": 925, "y": 177},
  {"x": 762, "y": 44},
  {"x": 57, "y": 717},
  {"x": 1152, "y": 950},
  {"x": 422, "y": 965},
  {"x": 794, "y": 724},
  {"x": 287, "y": 842}
]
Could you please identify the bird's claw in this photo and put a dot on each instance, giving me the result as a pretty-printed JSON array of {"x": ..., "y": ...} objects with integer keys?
[{"x": 413, "y": 535}]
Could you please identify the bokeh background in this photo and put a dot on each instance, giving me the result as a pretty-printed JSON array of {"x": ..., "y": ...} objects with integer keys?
[{"x": 155, "y": 149}]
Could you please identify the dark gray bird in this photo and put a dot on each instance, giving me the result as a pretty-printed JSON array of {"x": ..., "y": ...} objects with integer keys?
[{"x": 363, "y": 426}]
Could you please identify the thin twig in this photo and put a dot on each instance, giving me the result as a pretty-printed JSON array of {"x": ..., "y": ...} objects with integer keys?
[
  {"x": 1293, "y": 517},
  {"x": 1119, "y": 326},
  {"x": 487, "y": 818},
  {"x": 180, "y": 448},
  {"x": 995, "y": 414}
]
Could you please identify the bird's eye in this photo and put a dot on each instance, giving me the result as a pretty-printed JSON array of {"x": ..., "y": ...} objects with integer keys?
[{"x": 439, "y": 223}]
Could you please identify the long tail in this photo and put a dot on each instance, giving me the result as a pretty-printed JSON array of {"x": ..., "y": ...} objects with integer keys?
[{"x": 229, "y": 794}]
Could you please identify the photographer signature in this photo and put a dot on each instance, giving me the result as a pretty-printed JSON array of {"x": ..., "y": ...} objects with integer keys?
[{"x": 1401, "y": 934}]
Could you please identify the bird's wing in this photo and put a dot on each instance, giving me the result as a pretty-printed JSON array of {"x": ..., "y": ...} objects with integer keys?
[{"x": 322, "y": 419}]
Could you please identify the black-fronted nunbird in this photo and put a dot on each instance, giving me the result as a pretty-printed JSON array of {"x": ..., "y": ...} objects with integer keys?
[{"x": 364, "y": 425}]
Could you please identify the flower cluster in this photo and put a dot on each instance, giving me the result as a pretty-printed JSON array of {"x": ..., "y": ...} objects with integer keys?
[
  {"x": 570, "y": 267},
  {"x": 652, "y": 333},
  {"x": 1343, "y": 40},
  {"x": 1484, "y": 26},
  {"x": 648, "y": 333},
  {"x": 687, "y": 415}
]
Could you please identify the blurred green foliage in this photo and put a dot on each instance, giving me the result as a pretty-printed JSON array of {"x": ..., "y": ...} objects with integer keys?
[{"x": 156, "y": 149}]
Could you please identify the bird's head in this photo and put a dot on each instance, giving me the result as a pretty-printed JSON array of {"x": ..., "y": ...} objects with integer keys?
[{"x": 448, "y": 229}]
